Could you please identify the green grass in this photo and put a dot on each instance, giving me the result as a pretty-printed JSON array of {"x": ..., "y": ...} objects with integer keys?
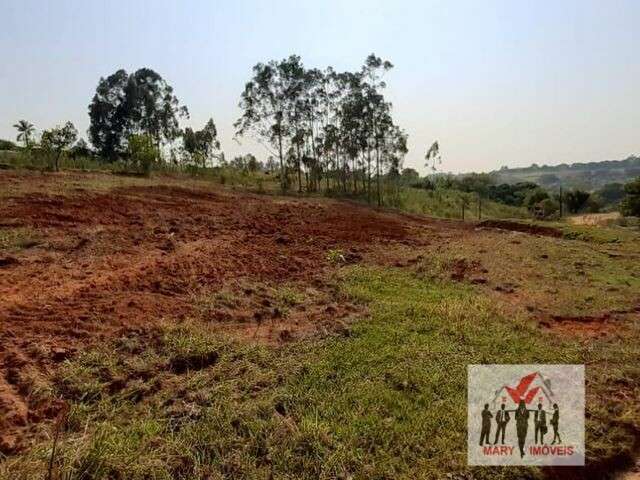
[
  {"x": 437, "y": 203},
  {"x": 385, "y": 400},
  {"x": 18, "y": 238},
  {"x": 448, "y": 204},
  {"x": 24, "y": 162},
  {"x": 558, "y": 276},
  {"x": 37, "y": 160},
  {"x": 287, "y": 297},
  {"x": 599, "y": 234},
  {"x": 73, "y": 182},
  {"x": 335, "y": 256}
]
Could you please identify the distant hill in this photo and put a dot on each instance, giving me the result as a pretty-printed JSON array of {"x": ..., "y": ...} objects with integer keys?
[{"x": 586, "y": 176}]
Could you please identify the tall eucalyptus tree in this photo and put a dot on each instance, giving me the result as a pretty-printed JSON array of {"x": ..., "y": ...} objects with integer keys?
[{"x": 324, "y": 124}]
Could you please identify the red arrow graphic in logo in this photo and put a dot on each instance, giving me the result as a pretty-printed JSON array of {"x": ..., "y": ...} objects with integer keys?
[{"x": 522, "y": 392}]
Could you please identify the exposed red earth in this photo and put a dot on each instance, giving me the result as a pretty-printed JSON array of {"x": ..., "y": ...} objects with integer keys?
[
  {"x": 107, "y": 263},
  {"x": 98, "y": 265}
]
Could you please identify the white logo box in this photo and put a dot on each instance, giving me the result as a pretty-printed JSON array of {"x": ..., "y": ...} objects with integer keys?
[{"x": 495, "y": 385}]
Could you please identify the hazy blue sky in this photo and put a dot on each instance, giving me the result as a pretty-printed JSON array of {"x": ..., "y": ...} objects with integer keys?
[{"x": 496, "y": 82}]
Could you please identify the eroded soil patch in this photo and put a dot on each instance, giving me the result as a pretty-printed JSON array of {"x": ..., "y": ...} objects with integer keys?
[
  {"x": 589, "y": 325},
  {"x": 109, "y": 263}
]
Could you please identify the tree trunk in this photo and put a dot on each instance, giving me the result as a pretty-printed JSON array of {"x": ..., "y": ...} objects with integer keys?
[
  {"x": 368, "y": 175},
  {"x": 314, "y": 166},
  {"x": 299, "y": 161},
  {"x": 283, "y": 173},
  {"x": 378, "y": 175},
  {"x": 355, "y": 176},
  {"x": 326, "y": 177},
  {"x": 55, "y": 168},
  {"x": 344, "y": 174}
]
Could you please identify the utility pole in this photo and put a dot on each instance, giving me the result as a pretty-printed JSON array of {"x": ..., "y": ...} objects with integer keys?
[{"x": 479, "y": 207}]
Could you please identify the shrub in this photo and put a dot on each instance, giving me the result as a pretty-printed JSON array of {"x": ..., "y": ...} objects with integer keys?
[
  {"x": 511, "y": 194},
  {"x": 576, "y": 200},
  {"x": 534, "y": 197},
  {"x": 547, "y": 209},
  {"x": 57, "y": 140},
  {"x": 142, "y": 152},
  {"x": 7, "y": 145},
  {"x": 594, "y": 204},
  {"x": 611, "y": 192},
  {"x": 630, "y": 205}
]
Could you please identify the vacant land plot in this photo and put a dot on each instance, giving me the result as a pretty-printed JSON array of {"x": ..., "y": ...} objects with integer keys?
[{"x": 166, "y": 329}]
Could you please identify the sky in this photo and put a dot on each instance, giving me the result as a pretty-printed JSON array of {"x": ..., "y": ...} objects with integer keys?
[{"x": 495, "y": 82}]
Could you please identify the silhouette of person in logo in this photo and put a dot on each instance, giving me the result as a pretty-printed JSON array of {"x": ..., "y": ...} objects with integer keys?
[
  {"x": 540, "y": 422},
  {"x": 522, "y": 424},
  {"x": 486, "y": 425},
  {"x": 555, "y": 420},
  {"x": 502, "y": 418}
]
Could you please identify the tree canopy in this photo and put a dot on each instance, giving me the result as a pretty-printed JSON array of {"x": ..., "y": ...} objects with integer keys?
[
  {"x": 630, "y": 205},
  {"x": 324, "y": 125},
  {"x": 127, "y": 104},
  {"x": 58, "y": 139},
  {"x": 201, "y": 144},
  {"x": 576, "y": 200},
  {"x": 25, "y": 131}
]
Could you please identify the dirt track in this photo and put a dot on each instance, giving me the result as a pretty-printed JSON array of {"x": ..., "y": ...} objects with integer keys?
[{"x": 107, "y": 263}]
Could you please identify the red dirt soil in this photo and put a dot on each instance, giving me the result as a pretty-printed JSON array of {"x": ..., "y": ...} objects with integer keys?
[
  {"x": 588, "y": 325},
  {"x": 128, "y": 259}
]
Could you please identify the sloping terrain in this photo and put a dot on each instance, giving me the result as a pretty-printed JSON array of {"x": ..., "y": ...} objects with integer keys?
[
  {"x": 186, "y": 331},
  {"x": 105, "y": 263}
]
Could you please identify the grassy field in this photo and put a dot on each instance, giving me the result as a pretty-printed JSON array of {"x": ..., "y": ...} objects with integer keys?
[
  {"x": 382, "y": 396},
  {"x": 91, "y": 173},
  {"x": 367, "y": 404},
  {"x": 448, "y": 204},
  {"x": 437, "y": 203}
]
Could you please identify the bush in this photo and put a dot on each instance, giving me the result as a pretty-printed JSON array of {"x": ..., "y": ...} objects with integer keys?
[
  {"x": 424, "y": 184},
  {"x": 508, "y": 194},
  {"x": 630, "y": 205},
  {"x": 56, "y": 141},
  {"x": 611, "y": 193},
  {"x": 576, "y": 200},
  {"x": 534, "y": 197},
  {"x": 594, "y": 204},
  {"x": 409, "y": 176},
  {"x": 477, "y": 182},
  {"x": 142, "y": 152},
  {"x": 81, "y": 150},
  {"x": 547, "y": 209},
  {"x": 7, "y": 145}
]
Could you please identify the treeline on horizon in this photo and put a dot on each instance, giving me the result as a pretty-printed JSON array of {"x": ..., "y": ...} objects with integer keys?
[
  {"x": 541, "y": 201},
  {"x": 321, "y": 128},
  {"x": 632, "y": 161}
]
